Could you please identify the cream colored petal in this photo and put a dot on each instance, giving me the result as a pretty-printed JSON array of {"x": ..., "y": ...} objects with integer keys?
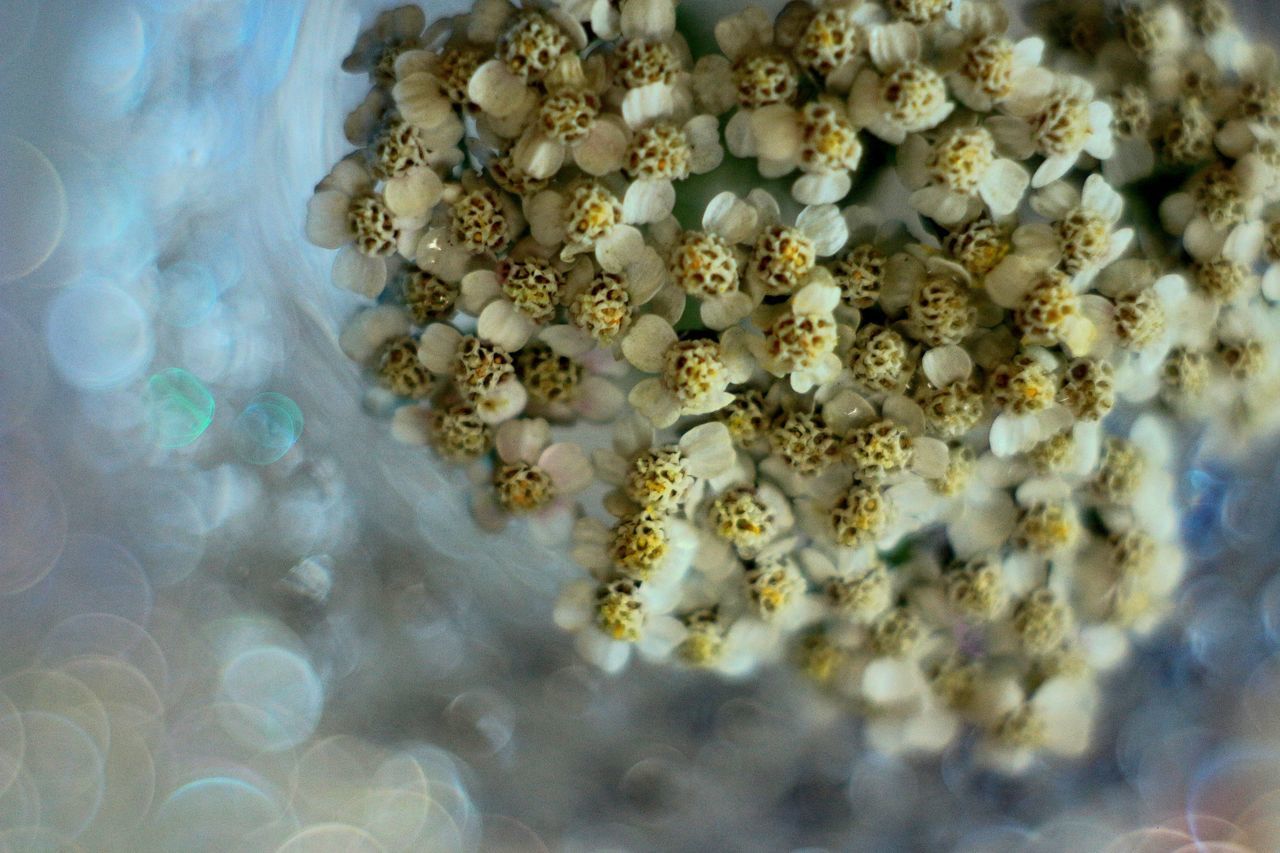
[
  {"x": 653, "y": 20},
  {"x": 545, "y": 214},
  {"x": 1052, "y": 169},
  {"x": 739, "y": 135},
  {"x": 567, "y": 340},
  {"x": 522, "y": 441},
  {"x": 929, "y": 457},
  {"x": 646, "y": 345},
  {"x": 603, "y": 151},
  {"x": 730, "y": 217},
  {"x": 620, "y": 248},
  {"x": 713, "y": 85},
  {"x": 328, "y": 225},
  {"x": 945, "y": 365},
  {"x": 1003, "y": 186},
  {"x": 654, "y": 402},
  {"x": 648, "y": 201},
  {"x": 496, "y": 90},
  {"x": 1013, "y": 136},
  {"x": 703, "y": 134},
  {"x": 749, "y": 29},
  {"x": 904, "y": 411},
  {"x": 817, "y": 189},
  {"x": 1202, "y": 240},
  {"x": 479, "y": 288},
  {"x": 1009, "y": 282},
  {"x": 359, "y": 273},
  {"x": 892, "y": 45},
  {"x": 505, "y": 326},
  {"x": 438, "y": 348},
  {"x": 941, "y": 204},
  {"x": 538, "y": 154},
  {"x": 647, "y": 104},
  {"x": 606, "y": 21},
  {"x": 1177, "y": 211},
  {"x": 369, "y": 330},
  {"x": 598, "y": 399},
  {"x": 421, "y": 100},
  {"x": 415, "y": 194},
  {"x": 708, "y": 449},
  {"x": 568, "y": 465},
  {"x": 502, "y": 404},
  {"x": 816, "y": 298},
  {"x": 349, "y": 175},
  {"x": 412, "y": 425},
  {"x": 777, "y": 133},
  {"x": 721, "y": 312},
  {"x": 888, "y": 681},
  {"x": 824, "y": 225}
]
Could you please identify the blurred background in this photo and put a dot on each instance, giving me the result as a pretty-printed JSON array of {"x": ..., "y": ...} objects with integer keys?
[{"x": 235, "y": 615}]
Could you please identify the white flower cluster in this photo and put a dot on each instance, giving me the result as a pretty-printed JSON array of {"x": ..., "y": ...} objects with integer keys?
[{"x": 873, "y": 449}]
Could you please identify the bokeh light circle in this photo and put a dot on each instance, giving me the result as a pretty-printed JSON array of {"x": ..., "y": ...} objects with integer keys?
[
  {"x": 34, "y": 214},
  {"x": 33, "y": 523},
  {"x": 98, "y": 336},
  {"x": 179, "y": 407},
  {"x": 281, "y": 689},
  {"x": 267, "y": 428}
]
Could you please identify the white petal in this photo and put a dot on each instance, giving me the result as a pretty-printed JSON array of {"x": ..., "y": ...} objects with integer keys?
[
  {"x": 327, "y": 223},
  {"x": 648, "y": 201},
  {"x": 438, "y": 348},
  {"x": 824, "y": 225},
  {"x": 503, "y": 324},
  {"x": 366, "y": 333},
  {"x": 1053, "y": 168},
  {"x": 739, "y": 135},
  {"x": 816, "y": 298},
  {"x": 821, "y": 189},
  {"x": 893, "y": 45},
  {"x": 545, "y": 215},
  {"x": 721, "y": 312},
  {"x": 703, "y": 133},
  {"x": 929, "y": 457},
  {"x": 654, "y": 20},
  {"x": 776, "y": 132},
  {"x": 655, "y": 402},
  {"x": 646, "y": 345},
  {"x": 944, "y": 365},
  {"x": 479, "y": 288},
  {"x": 731, "y": 218},
  {"x": 1003, "y": 186},
  {"x": 359, "y": 273},
  {"x": 538, "y": 154},
  {"x": 413, "y": 195},
  {"x": 1009, "y": 282},
  {"x": 620, "y": 248},
  {"x": 603, "y": 151},
  {"x": 941, "y": 204},
  {"x": 522, "y": 441},
  {"x": 496, "y": 90},
  {"x": 648, "y": 104},
  {"x": 568, "y": 465},
  {"x": 708, "y": 449}
]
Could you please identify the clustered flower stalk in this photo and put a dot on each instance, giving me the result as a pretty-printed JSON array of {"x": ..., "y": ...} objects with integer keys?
[{"x": 873, "y": 447}]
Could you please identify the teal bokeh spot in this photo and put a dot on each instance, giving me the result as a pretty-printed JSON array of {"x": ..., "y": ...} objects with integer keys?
[
  {"x": 267, "y": 428},
  {"x": 179, "y": 407}
]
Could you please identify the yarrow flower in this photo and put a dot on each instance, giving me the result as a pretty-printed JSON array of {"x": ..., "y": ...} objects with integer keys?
[{"x": 875, "y": 447}]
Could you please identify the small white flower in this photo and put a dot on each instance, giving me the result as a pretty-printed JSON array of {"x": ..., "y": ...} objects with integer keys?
[
  {"x": 817, "y": 138},
  {"x": 611, "y": 619},
  {"x": 1080, "y": 236},
  {"x": 483, "y": 370},
  {"x": 661, "y": 151},
  {"x": 986, "y": 68},
  {"x": 1060, "y": 126},
  {"x": 902, "y": 94},
  {"x": 1056, "y": 719},
  {"x": 800, "y": 341},
  {"x": 665, "y": 477},
  {"x": 694, "y": 375},
  {"x": 957, "y": 172},
  {"x": 1218, "y": 211},
  {"x": 347, "y": 213},
  {"x": 533, "y": 478}
]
